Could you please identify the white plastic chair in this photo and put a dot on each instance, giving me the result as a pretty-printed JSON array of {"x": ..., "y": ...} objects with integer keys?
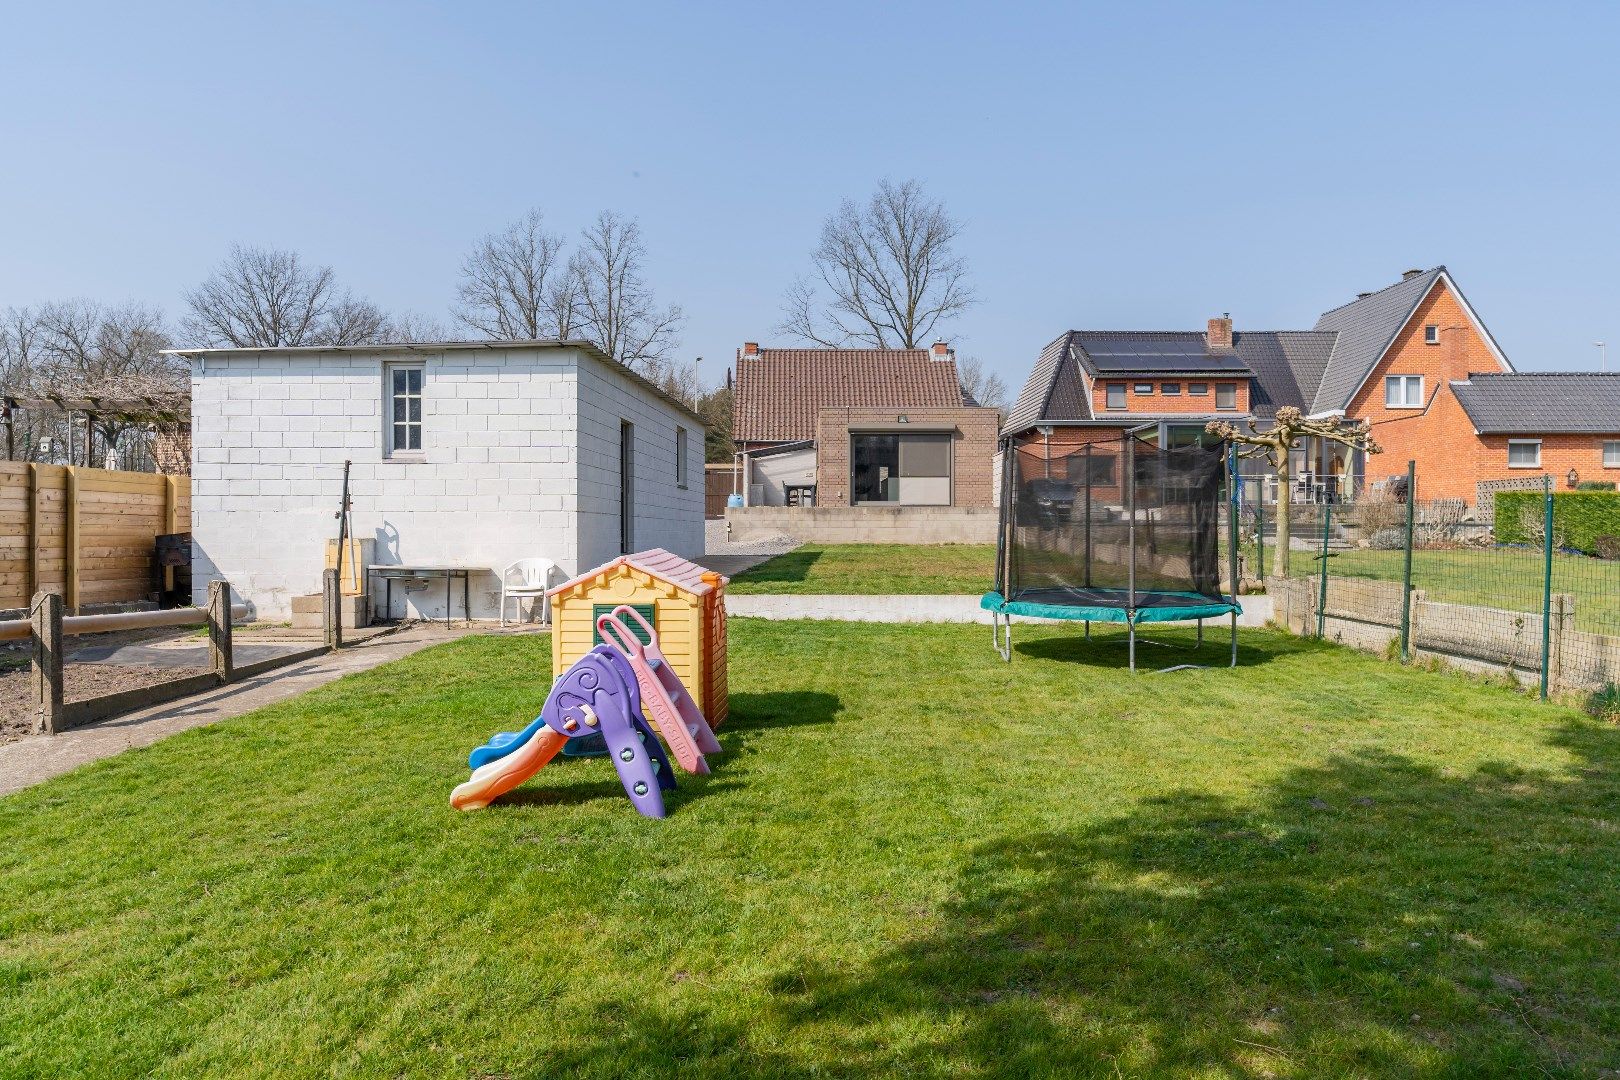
[{"x": 527, "y": 579}]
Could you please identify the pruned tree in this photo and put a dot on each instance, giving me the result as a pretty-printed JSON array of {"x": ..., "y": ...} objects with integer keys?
[
  {"x": 616, "y": 307},
  {"x": 984, "y": 386},
  {"x": 266, "y": 298},
  {"x": 886, "y": 274},
  {"x": 516, "y": 284},
  {"x": 1289, "y": 426}
]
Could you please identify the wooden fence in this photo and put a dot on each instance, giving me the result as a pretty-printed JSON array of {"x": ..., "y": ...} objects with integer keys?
[{"x": 86, "y": 533}]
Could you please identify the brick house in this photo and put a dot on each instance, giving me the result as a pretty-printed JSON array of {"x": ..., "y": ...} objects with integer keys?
[
  {"x": 1402, "y": 358},
  {"x": 860, "y": 427},
  {"x": 471, "y": 454}
]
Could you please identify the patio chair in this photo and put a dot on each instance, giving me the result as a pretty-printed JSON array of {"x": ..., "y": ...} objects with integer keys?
[{"x": 527, "y": 579}]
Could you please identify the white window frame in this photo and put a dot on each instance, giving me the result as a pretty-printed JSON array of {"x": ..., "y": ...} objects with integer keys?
[
  {"x": 1611, "y": 453},
  {"x": 680, "y": 457},
  {"x": 1431, "y": 334},
  {"x": 1404, "y": 382},
  {"x": 391, "y": 450},
  {"x": 1536, "y": 464},
  {"x": 1222, "y": 389},
  {"x": 1108, "y": 396},
  {"x": 1142, "y": 389}
]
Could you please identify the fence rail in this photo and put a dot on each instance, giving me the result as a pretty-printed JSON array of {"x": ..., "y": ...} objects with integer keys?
[{"x": 86, "y": 533}]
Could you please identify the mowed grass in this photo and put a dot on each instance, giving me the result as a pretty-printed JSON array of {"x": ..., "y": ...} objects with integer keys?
[
  {"x": 910, "y": 859},
  {"x": 1509, "y": 578},
  {"x": 882, "y": 569}
]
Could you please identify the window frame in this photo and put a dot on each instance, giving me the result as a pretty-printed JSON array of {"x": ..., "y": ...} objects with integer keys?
[
  {"x": 1431, "y": 334},
  {"x": 682, "y": 448},
  {"x": 1222, "y": 388},
  {"x": 1608, "y": 445},
  {"x": 1198, "y": 389},
  {"x": 1170, "y": 389},
  {"x": 391, "y": 450},
  {"x": 1142, "y": 389},
  {"x": 1511, "y": 443},
  {"x": 1108, "y": 396},
  {"x": 1405, "y": 382}
]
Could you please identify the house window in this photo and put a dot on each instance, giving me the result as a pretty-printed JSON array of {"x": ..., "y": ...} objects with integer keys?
[
  {"x": 680, "y": 457},
  {"x": 1431, "y": 335},
  {"x": 1143, "y": 388},
  {"x": 1403, "y": 391},
  {"x": 1198, "y": 389},
  {"x": 1170, "y": 389},
  {"x": 405, "y": 410},
  {"x": 1116, "y": 395},
  {"x": 1611, "y": 454},
  {"x": 1524, "y": 453},
  {"x": 1226, "y": 395},
  {"x": 1097, "y": 466},
  {"x": 904, "y": 469}
]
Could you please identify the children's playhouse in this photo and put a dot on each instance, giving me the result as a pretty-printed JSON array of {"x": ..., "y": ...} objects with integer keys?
[{"x": 685, "y": 604}]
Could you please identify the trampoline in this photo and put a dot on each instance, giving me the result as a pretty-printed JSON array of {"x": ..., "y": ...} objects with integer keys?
[{"x": 1113, "y": 530}]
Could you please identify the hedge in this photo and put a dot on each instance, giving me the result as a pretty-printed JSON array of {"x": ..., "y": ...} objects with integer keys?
[{"x": 1579, "y": 517}]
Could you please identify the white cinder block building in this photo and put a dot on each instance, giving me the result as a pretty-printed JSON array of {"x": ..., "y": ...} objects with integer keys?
[{"x": 465, "y": 453}]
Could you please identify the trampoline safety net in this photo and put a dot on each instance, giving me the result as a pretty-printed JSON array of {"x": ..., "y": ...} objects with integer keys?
[{"x": 1094, "y": 530}]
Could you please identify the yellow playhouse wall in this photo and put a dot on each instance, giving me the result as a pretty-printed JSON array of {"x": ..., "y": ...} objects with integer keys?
[{"x": 678, "y": 622}]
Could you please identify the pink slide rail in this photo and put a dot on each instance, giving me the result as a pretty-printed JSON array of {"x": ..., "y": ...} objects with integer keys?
[{"x": 662, "y": 692}]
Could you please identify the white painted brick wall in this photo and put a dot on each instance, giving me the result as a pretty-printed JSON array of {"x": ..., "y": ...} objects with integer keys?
[{"x": 521, "y": 451}]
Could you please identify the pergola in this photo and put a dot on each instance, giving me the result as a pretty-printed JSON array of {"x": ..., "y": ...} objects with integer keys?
[{"x": 169, "y": 414}]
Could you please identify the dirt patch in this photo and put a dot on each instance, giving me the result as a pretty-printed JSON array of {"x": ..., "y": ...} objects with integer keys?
[{"x": 18, "y": 710}]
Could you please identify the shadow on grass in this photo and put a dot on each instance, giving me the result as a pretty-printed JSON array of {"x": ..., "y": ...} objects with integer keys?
[
  {"x": 1160, "y": 646},
  {"x": 792, "y": 566},
  {"x": 1367, "y": 916}
]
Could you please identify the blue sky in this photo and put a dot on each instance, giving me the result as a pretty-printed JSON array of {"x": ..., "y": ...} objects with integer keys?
[{"x": 1118, "y": 166}]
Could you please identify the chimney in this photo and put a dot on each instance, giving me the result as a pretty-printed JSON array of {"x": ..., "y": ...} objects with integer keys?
[
  {"x": 750, "y": 348},
  {"x": 1220, "y": 332},
  {"x": 942, "y": 351},
  {"x": 1408, "y": 275}
]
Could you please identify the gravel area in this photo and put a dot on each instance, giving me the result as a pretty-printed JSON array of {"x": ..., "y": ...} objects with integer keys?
[
  {"x": 715, "y": 542},
  {"x": 79, "y": 681}
]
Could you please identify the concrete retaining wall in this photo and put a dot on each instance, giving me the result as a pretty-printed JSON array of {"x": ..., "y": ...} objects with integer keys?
[{"x": 867, "y": 524}]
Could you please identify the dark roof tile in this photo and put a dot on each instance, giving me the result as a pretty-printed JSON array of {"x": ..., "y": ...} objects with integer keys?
[{"x": 1546, "y": 402}]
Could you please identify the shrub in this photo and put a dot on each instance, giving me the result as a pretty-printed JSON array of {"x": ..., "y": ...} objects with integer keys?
[
  {"x": 1388, "y": 539},
  {"x": 1605, "y": 703},
  {"x": 1595, "y": 485},
  {"x": 1607, "y": 547},
  {"x": 1579, "y": 517}
]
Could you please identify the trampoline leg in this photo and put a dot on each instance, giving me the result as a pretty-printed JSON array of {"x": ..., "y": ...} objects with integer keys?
[
  {"x": 1130, "y": 625},
  {"x": 1088, "y": 629},
  {"x": 1234, "y": 640},
  {"x": 1002, "y": 644},
  {"x": 1200, "y": 644}
]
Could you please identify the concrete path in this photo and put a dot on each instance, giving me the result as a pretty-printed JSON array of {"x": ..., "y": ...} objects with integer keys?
[
  {"x": 954, "y": 609},
  {"x": 40, "y": 757}
]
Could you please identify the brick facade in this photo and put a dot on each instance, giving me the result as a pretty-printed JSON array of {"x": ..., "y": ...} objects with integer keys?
[
  {"x": 973, "y": 449},
  {"x": 1158, "y": 402}
]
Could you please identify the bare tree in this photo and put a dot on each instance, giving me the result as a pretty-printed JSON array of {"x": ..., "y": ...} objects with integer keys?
[
  {"x": 616, "y": 307},
  {"x": 515, "y": 284},
  {"x": 886, "y": 275},
  {"x": 265, "y": 297},
  {"x": 1289, "y": 426},
  {"x": 985, "y": 387},
  {"x": 410, "y": 326}
]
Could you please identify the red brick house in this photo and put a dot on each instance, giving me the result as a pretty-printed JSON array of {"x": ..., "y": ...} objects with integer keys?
[
  {"x": 859, "y": 427},
  {"x": 1412, "y": 359}
]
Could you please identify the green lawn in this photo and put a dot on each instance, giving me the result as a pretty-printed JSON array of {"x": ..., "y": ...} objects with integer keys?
[
  {"x": 885, "y": 569},
  {"x": 911, "y": 858},
  {"x": 1510, "y": 578}
]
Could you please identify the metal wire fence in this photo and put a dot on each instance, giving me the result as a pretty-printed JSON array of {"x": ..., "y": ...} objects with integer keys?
[{"x": 1522, "y": 588}]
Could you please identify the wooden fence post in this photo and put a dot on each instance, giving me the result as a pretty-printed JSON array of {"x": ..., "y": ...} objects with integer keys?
[
  {"x": 33, "y": 529},
  {"x": 219, "y": 630},
  {"x": 70, "y": 541},
  {"x": 47, "y": 643},
  {"x": 332, "y": 607},
  {"x": 171, "y": 501}
]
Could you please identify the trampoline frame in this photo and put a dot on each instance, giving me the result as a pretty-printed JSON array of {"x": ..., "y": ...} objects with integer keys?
[{"x": 1001, "y": 618}]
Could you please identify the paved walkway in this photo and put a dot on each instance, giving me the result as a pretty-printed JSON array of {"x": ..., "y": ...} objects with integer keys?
[
  {"x": 40, "y": 757},
  {"x": 733, "y": 557}
]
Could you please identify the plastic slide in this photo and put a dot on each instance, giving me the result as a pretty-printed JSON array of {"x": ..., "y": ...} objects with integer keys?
[
  {"x": 500, "y": 775},
  {"x": 673, "y": 710}
]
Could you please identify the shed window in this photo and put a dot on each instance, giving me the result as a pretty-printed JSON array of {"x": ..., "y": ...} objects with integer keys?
[
  {"x": 1611, "y": 454},
  {"x": 680, "y": 457},
  {"x": 405, "y": 409},
  {"x": 1226, "y": 395},
  {"x": 1524, "y": 453},
  {"x": 1116, "y": 395}
]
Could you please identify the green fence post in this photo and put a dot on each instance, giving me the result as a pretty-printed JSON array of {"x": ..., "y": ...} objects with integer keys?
[
  {"x": 1546, "y": 582},
  {"x": 1260, "y": 534},
  {"x": 1406, "y": 572},
  {"x": 1321, "y": 598}
]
